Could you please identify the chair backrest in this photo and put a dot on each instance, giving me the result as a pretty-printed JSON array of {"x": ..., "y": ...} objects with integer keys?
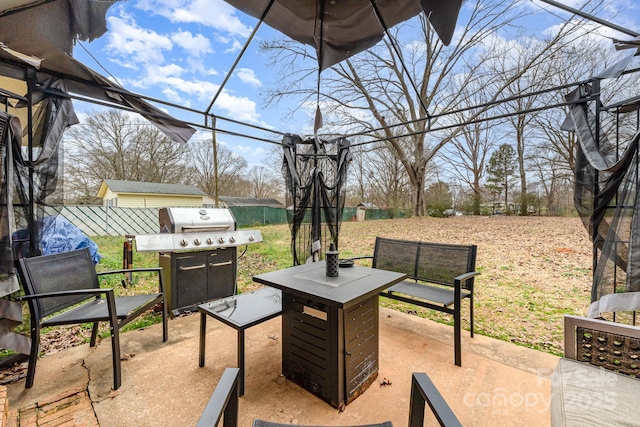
[
  {"x": 437, "y": 263},
  {"x": 223, "y": 404},
  {"x": 65, "y": 271},
  {"x": 609, "y": 345}
]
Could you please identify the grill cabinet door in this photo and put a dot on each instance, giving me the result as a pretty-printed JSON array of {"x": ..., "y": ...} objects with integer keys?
[
  {"x": 191, "y": 275},
  {"x": 221, "y": 274}
]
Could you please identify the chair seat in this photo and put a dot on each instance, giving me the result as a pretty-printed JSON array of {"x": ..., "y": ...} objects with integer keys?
[
  {"x": 442, "y": 295},
  {"x": 96, "y": 310}
]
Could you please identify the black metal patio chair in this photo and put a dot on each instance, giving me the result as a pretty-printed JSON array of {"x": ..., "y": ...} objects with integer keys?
[
  {"x": 64, "y": 289},
  {"x": 223, "y": 404}
]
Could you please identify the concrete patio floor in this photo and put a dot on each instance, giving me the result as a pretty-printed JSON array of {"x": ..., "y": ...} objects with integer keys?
[{"x": 498, "y": 384}]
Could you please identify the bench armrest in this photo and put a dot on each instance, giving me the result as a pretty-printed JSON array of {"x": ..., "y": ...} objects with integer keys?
[
  {"x": 223, "y": 401},
  {"x": 424, "y": 391},
  {"x": 138, "y": 270},
  {"x": 466, "y": 276},
  {"x": 463, "y": 278}
]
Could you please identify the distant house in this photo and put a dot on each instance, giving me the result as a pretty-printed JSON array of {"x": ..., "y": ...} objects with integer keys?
[
  {"x": 228, "y": 202},
  {"x": 134, "y": 194}
]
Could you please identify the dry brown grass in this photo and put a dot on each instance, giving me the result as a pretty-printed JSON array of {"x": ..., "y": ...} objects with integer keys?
[{"x": 534, "y": 269}]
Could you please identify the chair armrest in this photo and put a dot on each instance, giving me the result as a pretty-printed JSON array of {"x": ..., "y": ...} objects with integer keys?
[
  {"x": 88, "y": 292},
  {"x": 360, "y": 257},
  {"x": 224, "y": 400},
  {"x": 423, "y": 390},
  {"x": 131, "y": 270},
  {"x": 138, "y": 270}
]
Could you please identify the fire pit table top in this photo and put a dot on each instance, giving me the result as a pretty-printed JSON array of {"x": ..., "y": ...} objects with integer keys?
[{"x": 351, "y": 286}]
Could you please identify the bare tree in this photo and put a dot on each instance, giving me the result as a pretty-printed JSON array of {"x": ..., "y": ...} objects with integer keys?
[
  {"x": 232, "y": 169},
  {"x": 115, "y": 145},
  {"x": 371, "y": 93},
  {"x": 358, "y": 189},
  {"x": 263, "y": 183},
  {"x": 387, "y": 180},
  {"x": 467, "y": 154}
]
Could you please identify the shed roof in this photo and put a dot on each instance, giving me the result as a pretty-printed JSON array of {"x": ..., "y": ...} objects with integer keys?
[
  {"x": 136, "y": 187},
  {"x": 367, "y": 205},
  {"x": 250, "y": 201}
]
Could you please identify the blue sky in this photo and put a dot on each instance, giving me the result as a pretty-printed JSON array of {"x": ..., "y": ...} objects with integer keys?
[{"x": 181, "y": 50}]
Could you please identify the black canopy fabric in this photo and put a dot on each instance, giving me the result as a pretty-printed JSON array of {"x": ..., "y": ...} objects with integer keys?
[
  {"x": 340, "y": 29},
  {"x": 42, "y": 34},
  {"x": 10, "y": 137},
  {"x": 36, "y": 46},
  {"x": 607, "y": 199},
  {"x": 315, "y": 171}
]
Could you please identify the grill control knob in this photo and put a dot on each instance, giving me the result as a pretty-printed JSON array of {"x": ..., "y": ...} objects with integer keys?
[
  {"x": 252, "y": 238},
  {"x": 221, "y": 240},
  {"x": 209, "y": 241},
  {"x": 197, "y": 242},
  {"x": 232, "y": 239},
  {"x": 184, "y": 242}
]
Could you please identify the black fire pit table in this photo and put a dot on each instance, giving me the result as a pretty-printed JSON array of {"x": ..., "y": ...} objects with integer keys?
[{"x": 330, "y": 327}]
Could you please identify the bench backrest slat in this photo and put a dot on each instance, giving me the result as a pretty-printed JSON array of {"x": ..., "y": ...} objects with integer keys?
[
  {"x": 430, "y": 262},
  {"x": 395, "y": 255},
  {"x": 58, "y": 272}
]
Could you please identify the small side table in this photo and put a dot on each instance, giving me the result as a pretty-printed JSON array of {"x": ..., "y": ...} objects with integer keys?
[{"x": 240, "y": 311}]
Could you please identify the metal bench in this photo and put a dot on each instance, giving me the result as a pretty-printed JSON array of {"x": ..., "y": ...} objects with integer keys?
[
  {"x": 240, "y": 311},
  {"x": 440, "y": 277}
]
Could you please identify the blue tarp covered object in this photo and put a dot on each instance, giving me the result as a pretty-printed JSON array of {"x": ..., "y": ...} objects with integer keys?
[{"x": 59, "y": 235}]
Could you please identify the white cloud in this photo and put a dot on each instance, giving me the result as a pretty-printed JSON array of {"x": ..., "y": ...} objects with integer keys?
[
  {"x": 236, "y": 107},
  {"x": 169, "y": 70},
  {"x": 248, "y": 76},
  {"x": 239, "y": 108},
  {"x": 197, "y": 45},
  {"x": 173, "y": 96},
  {"x": 125, "y": 64},
  {"x": 212, "y": 13},
  {"x": 236, "y": 46},
  {"x": 243, "y": 149},
  {"x": 128, "y": 40}
]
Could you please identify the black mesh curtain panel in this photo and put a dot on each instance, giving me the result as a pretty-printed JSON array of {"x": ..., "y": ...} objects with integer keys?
[
  {"x": 10, "y": 131},
  {"x": 34, "y": 177},
  {"x": 315, "y": 171},
  {"x": 607, "y": 200}
]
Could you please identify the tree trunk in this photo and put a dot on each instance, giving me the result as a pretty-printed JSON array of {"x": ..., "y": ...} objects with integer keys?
[
  {"x": 418, "y": 196},
  {"x": 477, "y": 199}
]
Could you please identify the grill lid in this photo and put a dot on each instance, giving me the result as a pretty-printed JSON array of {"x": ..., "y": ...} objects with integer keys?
[{"x": 188, "y": 220}]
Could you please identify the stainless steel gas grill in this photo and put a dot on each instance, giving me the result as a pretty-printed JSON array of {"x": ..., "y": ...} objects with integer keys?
[{"x": 198, "y": 253}]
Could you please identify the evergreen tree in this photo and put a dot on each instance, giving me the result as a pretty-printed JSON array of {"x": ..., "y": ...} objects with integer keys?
[{"x": 501, "y": 170}]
